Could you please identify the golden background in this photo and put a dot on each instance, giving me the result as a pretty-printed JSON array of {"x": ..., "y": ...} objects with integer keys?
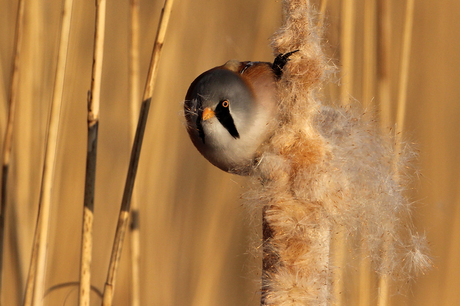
[{"x": 196, "y": 235}]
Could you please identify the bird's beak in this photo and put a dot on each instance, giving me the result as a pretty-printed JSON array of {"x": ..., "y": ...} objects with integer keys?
[{"x": 208, "y": 114}]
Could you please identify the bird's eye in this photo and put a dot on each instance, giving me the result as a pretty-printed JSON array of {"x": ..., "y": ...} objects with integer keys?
[{"x": 225, "y": 103}]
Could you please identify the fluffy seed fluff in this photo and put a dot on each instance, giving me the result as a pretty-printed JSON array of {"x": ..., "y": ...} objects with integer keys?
[{"x": 326, "y": 167}]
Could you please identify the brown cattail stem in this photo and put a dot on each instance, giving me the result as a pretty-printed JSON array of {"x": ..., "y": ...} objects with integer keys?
[
  {"x": 295, "y": 228},
  {"x": 324, "y": 168},
  {"x": 270, "y": 258}
]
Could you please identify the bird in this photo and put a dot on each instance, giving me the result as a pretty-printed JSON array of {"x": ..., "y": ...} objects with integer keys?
[{"x": 230, "y": 111}]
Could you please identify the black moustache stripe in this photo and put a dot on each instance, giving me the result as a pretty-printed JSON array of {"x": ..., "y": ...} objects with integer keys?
[{"x": 225, "y": 118}]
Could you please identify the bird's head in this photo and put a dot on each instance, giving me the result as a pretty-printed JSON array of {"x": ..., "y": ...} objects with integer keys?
[{"x": 230, "y": 111}]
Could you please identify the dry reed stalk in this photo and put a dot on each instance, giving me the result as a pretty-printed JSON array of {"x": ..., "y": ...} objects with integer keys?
[
  {"x": 383, "y": 61},
  {"x": 8, "y": 140},
  {"x": 365, "y": 288},
  {"x": 346, "y": 57},
  {"x": 31, "y": 275},
  {"x": 384, "y": 282},
  {"x": 383, "y": 290},
  {"x": 124, "y": 211},
  {"x": 404, "y": 71},
  {"x": 384, "y": 95},
  {"x": 347, "y": 36},
  {"x": 3, "y": 97},
  {"x": 134, "y": 81},
  {"x": 135, "y": 153},
  {"x": 449, "y": 296},
  {"x": 91, "y": 155},
  {"x": 213, "y": 258},
  {"x": 50, "y": 157},
  {"x": 364, "y": 292},
  {"x": 369, "y": 52},
  {"x": 322, "y": 14},
  {"x": 159, "y": 41}
]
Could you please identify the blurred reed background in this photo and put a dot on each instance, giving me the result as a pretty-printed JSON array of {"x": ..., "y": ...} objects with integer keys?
[{"x": 197, "y": 239}]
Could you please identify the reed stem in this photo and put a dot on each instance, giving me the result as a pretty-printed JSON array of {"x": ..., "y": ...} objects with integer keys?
[
  {"x": 369, "y": 52},
  {"x": 365, "y": 271},
  {"x": 135, "y": 153},
  {"x": 384, "y": 282},
  {"x": 346, "y": 56},
  {"x": 404, "y": 70},
  {"x": 322, "y": 14},
  {"x": 8, "y": 140},
  {"x": 134, "y": 81},
  {"x": 125, "y": 206},
  {"x": 50, "y": 156},
  {"x": 347, "y": 49},
  {"x": 91, "y": 156},
  {"x": 383, "y": 61}
]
